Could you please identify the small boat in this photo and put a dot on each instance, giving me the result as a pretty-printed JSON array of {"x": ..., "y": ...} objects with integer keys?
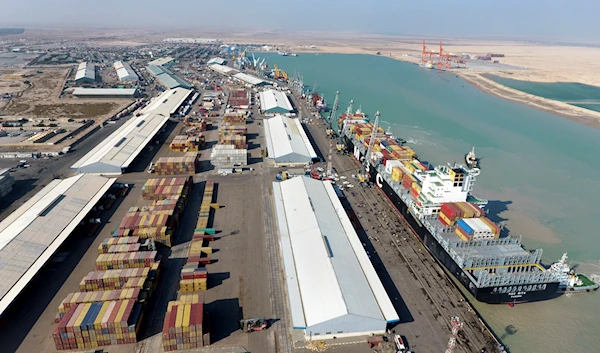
[{"x": 472, "y": 160}]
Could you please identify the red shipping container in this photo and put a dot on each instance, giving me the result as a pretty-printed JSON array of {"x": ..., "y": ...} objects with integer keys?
[{"x": 451, "y": 211}]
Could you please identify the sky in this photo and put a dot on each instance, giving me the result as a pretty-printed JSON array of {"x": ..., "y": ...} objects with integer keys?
[{"x": 524, "y": 19}]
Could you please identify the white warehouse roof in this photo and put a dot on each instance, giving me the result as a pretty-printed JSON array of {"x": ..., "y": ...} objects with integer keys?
[
  {"x": 219, "y": 61},
  {"x": 272, "y": 101},
  {"x": 85, "y": 70},
  {"x": 161, "y": 61},
  {"x": 287, "y": 141},
  {"x": 30, "y": 235},
  {"x": 331, "y": 283},
  {"x": 253, "y": 80},
  {"x": 221, "y": 68},
  {"x": 125, "y": 92},
  {"x": 115, "y": 153},
  {"x": 125, "y": 72}
]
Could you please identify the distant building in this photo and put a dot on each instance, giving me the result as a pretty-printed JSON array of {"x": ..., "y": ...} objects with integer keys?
[
  {"x": 125, "y": 72},
  {"x": 105, "y": 92},
  {"x": 218, "y": 61},
  {"x": 86, "y": 73},
  {"x": 274, "y": 102},
  {"x": 166, "y": 61},
  {"x": 250, "y": 79},
  {"x": 167, "y": 78}
]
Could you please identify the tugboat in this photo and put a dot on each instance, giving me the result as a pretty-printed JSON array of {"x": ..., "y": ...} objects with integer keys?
[{"x": 471, "y": 160}]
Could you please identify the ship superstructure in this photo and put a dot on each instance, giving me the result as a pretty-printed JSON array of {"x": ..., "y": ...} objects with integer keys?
[{"x": 439, "y": 205}]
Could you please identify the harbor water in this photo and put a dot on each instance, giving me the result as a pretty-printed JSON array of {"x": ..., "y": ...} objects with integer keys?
[
  {"x": 577, "y": 94},
  {"x": 539, "y": 172}
]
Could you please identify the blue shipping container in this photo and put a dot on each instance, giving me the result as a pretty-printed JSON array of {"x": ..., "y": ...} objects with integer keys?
[{"x": 461, "y": 223}]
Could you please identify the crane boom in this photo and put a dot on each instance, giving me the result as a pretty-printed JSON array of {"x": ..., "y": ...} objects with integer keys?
[
  {"x": 334, "y": 109},
  {"x": 349, "y": 109},
  {"x": 365, "y": 165}
]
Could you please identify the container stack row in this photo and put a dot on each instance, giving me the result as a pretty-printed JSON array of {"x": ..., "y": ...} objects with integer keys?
[
  {"x": 186, "y": 164},
  {"x": 91, "y": 325},
  {"x": 183, "y": 328},
  {"x": 185, "y": 143},
  {"x": 136, "y": 259},
  {"x": 452, "y": 212},
  {"x": 165, "y": 188},
  {"x": 228, "y": 156},
  {"x": 195, "y": 121},
  {"x": 74, "y": 299},
  {"x": 239, "y": 141},
  {"x": 228, "y": 129},
  {"x": 476, "y": 228}
]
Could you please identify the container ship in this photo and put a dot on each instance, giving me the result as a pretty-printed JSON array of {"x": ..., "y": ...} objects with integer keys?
[
  {"x": 319, "y": 102},
  {"x": 451, "y": 222}
]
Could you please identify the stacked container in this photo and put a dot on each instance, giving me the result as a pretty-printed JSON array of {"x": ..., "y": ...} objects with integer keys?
[
  {"x": 476, "y": 228},
  {"x": 228, "y": 129},
  {"x": 408, "y": 180},
  {"x": 415, "y": 189},
  {"x": 183, "y": 326},
  {"x": 108, "y": 243},
  {"x": 185, "y": 143},
  {"x": 91, "y": 325},
  {"x": 186, "y": 164},
  {"x": 451, "y": 212},
  {"x": 73, "y": 299},
  {"x": 163, "y": 188},
  {"x": 234, "y": 119},
  {"x": 113, "y": 279},
  {"x": 123, "y": 260},
  {"x": 239, "y": 141}
]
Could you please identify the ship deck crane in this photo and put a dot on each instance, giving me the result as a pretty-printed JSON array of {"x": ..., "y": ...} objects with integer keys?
[
  {"x": 456, "y": 326},
  {"x": 330, "y": 132},
  {"x": 341, "y": 147},
  {"x": 363, "y": 174}
]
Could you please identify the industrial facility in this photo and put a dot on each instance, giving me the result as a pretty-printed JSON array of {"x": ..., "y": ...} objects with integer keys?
[
  {"x": 125, "y": 72},
  {"x": 166, "y": 61},
  {"x": 114, "y": 155},
  {"x": 273, "y": 102},
  {"x": 6, "y": 182},
  {"x": 287, "y": 142},
  {"x": 218, "y": 61},
  {"x": 166, "y": 78},
  {"x": 333, "y": 289},
  {"x": 250, "y": 79},
  {"x": 86, "y": 73},
  {"x": 32, "y": 234},
  {"x": 222, "y": 69},
  {"x": 105, "y": 92}
]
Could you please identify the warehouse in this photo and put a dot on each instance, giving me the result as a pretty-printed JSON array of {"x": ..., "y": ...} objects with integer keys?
[
  {"x": 114, "y": 154},
  {"x": 222, "y": 69},
  {"x": 125, "y": 72},
  {"x": 333, "y": 289},
  {"x": 166, "y": 78},
  {"x": 28, "y": 239},
  {"x": 166, "y": 61},
  {"x": 218, "y": 61},
  {"x": 105, "y": 92},
  {"x": 250, "y": 79},
  {"x": 287, "y": 143},
  {"x": 273, "y": 102},
  {"x": 86, "y": 73}
]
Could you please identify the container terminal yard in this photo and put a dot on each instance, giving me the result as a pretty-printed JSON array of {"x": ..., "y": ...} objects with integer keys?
[{"x": 198, "y": 265}]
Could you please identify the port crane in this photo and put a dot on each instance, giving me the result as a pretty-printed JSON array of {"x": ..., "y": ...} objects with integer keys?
[
  {"x": 363, "y": 174},
  {"x": 329, "y": 131}
]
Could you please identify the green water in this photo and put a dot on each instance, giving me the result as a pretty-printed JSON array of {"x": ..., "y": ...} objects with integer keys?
[
  {"x": 575, "y": 93},
  {"x": 539, "y": 171}
]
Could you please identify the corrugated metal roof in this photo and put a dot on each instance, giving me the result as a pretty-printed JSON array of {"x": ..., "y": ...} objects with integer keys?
[
  {"x": 221, "y": 68},
  {"x": 218, "y": 61},
  {"x": 271, "y": 99},
  {"x": 167, "y": 78},
  {"x": 334, "y": 274},
  {"x": 116, "y": 152},
  {"x": 27, "y": 237},
  {"x": 85, "y": 70},
  {"x": 80, "y": 91},
  {"x": 161, "y": 61},
  {"x": 253, "y": 80},
  {"x": 286, "y": 136},
  {"x": 125, "y": 72}
]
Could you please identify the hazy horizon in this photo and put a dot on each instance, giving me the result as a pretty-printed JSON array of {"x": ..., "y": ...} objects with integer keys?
[{"x": 550, "y": 20}]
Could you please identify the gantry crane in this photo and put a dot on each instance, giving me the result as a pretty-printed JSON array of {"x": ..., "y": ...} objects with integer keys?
[
  {"x": 363, "y": 174},
  {"x": 427, "y": 55}
]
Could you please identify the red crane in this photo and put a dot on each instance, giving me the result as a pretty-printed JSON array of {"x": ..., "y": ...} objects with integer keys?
[{"x": 427, "y": 55}]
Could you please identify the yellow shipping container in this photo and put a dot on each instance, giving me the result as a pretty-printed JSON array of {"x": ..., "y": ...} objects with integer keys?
[
  {"x": 416, "y": 186},
  {"x": 409, "y": 166},
  {"x": 446, "y": 219},
  {"x": 397, "y": 174},
  {"x": 460, "y": 235}
]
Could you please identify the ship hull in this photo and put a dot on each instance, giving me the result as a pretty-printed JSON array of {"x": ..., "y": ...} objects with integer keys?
[{"x": 490, "y": 295}]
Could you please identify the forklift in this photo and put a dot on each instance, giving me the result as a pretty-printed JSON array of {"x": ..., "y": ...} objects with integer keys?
[{"x": 255, "y": 324}]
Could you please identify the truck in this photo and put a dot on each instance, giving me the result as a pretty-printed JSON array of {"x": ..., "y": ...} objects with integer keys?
[{"x": 399, "y": 344}]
